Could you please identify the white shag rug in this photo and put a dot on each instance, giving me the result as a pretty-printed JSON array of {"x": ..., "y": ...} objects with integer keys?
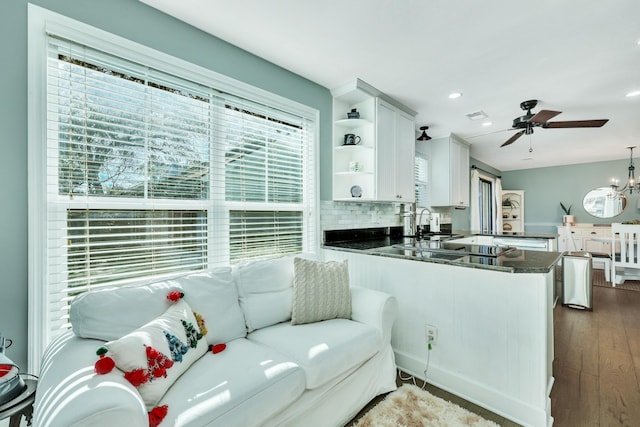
[{"x": 410, "y": 406}]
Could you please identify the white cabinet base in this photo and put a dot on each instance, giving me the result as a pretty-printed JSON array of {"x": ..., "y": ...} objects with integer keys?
[{"x": 495, "y": 330}]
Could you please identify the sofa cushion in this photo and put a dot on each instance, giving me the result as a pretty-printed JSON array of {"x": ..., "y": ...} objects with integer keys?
[
  {"x": 325, "y": 349},
  {"x": 212, "y": 294},
  {"x": 320, "y": 291},
  {"x": 265, "y": 289},
  {"x": 155, "y": 355},
  {"x": 242, "y": 386}
]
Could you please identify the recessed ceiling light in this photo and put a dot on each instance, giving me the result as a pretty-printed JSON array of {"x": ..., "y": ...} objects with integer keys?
[
  {"x": 455, "y": 95},
  {"x": 634, "y": 93},
  {"x": 485, "y": 124}
]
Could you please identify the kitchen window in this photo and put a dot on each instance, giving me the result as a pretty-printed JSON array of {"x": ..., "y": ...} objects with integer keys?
[
  {"x": 149, "y": 173},
  {"x": 421, "y": 179}
]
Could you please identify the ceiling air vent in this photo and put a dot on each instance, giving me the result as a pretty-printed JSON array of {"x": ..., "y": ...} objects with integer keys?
[{"x": 477, "y": 115}]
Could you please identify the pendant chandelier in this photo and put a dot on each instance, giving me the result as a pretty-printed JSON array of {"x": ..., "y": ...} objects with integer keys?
[{"x": 631, "y": 183}]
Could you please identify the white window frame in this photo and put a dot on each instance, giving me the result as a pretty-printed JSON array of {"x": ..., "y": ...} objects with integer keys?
[
  {"x": 422, "y": 154},
  {"x": 42, "y": 22}
]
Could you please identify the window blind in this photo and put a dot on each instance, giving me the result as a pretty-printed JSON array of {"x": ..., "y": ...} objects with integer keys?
[
  {"x": 151, "y": 175},
  {"x": 421, "y": 175}
]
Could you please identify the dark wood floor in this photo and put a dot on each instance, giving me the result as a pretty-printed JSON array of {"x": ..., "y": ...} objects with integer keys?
[
  {"x": 597, "y": 362},
  {"x": 596, "y": 366}
]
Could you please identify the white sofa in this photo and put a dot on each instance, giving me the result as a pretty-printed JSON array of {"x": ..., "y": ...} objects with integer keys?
[{"x": 271, "y": 373}]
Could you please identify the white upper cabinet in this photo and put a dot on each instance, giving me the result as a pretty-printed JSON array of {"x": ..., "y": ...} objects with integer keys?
[
  {"x": 373, "y": 154},
  {"x": 449, "y": 172},
  {"x": 395, "y": 137},
  {"x": 405, "y": 158}
]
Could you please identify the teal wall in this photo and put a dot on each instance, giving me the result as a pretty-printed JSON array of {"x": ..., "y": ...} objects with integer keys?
[
  {"x": 545, "y": 188},
  {"x": 138, "y": 22}
]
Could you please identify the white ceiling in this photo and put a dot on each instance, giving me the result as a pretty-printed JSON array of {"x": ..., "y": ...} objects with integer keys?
[{"x": 578, "y": 57}]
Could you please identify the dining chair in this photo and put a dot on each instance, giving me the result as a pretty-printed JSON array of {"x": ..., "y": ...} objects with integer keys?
[{"x": 625, "y": 263}]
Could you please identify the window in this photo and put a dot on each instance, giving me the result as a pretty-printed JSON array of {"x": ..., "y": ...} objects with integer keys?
[
  {"x": 421, "y": 175},
  {"x": 151, "y": 174}
]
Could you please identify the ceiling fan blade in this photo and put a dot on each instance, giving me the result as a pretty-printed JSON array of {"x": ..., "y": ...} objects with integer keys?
[
  {"x": 543, "y": 116},
  {"x": 513, "y": 138},
  {"x": 577, "y": 124}
]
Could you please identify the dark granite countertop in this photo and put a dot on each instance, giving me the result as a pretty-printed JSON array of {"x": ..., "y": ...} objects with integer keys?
[{"x": 381, "y": 241}]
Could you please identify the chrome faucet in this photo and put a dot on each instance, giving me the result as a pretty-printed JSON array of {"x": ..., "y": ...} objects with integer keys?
[{"x": 419, "y": 227}]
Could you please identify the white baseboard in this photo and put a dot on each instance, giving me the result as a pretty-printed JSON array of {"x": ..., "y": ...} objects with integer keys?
[{"x": 506, "y": 406}]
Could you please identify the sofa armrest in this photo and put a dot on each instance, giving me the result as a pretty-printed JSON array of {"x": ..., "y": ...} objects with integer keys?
[
  {"x": 69, "y": 393},
  {"x": 374, "y": 308}
]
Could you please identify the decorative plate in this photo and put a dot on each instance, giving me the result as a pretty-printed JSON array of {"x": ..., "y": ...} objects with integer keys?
[{"x": 356, "y": 191}]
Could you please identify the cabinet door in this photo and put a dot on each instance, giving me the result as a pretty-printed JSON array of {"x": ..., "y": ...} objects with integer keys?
[
  {"x": 593, "y": 246},
  {"x": 440, "y": 172},
  {"x": 575, "y": 242},
  {"x": 385, "y": 151},
  {"x": 460, "y": 174},
  {"x": 405, "y": 148}
]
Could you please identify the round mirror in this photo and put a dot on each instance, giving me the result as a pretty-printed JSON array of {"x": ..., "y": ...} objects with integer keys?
[{"x": 604, "y": 202}]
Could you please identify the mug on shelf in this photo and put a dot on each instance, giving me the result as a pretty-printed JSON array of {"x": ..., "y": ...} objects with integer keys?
[
  {"x": 351, "y": 139},
  {"x": 353, "y": 114}
]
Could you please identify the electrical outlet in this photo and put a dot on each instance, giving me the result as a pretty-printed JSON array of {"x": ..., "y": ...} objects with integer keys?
[{"x": 431, "y": 333}]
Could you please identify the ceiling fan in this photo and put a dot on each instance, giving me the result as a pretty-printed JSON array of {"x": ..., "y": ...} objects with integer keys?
[{"x": 541, "y": 119}]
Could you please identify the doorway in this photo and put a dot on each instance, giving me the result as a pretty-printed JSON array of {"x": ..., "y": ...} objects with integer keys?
[{"x": 486, "y": 205}]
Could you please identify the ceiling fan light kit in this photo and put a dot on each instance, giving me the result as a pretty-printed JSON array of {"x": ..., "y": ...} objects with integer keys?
[{"x": 541, "y": 119}]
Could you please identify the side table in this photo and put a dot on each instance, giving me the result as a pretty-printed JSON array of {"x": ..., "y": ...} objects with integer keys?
[{"x": 21, "y": 406}]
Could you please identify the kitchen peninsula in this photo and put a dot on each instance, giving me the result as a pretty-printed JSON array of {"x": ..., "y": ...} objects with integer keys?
[{"x": 492, "y": 312}]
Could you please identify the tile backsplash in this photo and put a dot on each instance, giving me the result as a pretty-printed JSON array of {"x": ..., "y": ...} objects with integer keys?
[{"x": 346, "y": 215}]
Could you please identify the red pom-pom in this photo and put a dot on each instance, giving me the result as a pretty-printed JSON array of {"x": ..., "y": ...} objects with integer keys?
[
  {"x": 104, "y": 365},
  {"x": 159, "y": 372},
  {"x": 217, "y": 348},
  {"x": 175, "y": 295},
  {"x": 137, "y": 377},
  {"x": 157, "y": 414},
  {"x": 152, "y": 353}
]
